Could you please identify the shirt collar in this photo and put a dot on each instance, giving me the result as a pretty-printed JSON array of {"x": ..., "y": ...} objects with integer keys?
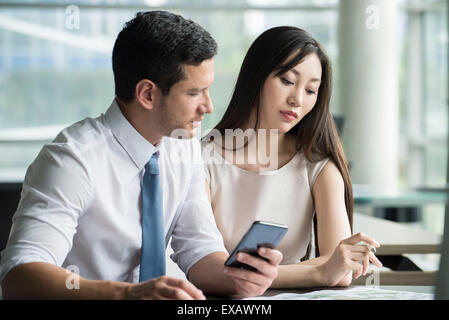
[{"x": 137, "y": 147}]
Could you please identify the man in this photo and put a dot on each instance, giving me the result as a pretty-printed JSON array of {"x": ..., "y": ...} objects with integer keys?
[{"x": 108, "y": 193}]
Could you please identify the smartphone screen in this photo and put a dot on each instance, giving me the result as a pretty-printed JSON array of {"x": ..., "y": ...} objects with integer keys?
[{"x": 261, "y": 234}]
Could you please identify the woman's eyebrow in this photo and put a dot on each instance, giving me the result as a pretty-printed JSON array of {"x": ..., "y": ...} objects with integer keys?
[{"x": 296, "y": 72}]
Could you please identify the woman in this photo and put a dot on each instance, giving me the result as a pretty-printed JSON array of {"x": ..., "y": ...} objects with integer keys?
[{"x": 279, "y": 111}]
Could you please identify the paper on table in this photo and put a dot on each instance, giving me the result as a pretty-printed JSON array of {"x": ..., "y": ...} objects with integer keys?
[{"x": 359, "y": 293}]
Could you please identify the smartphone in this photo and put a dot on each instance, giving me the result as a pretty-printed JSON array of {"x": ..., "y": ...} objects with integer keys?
[{"x": 260, "y": 234}]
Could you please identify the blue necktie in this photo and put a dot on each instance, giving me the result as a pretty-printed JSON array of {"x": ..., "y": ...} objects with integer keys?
[{"x": 152, "y": 260}]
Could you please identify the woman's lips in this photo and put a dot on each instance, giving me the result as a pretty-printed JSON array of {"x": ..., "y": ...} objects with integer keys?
[{"x": 289, "y": 115}]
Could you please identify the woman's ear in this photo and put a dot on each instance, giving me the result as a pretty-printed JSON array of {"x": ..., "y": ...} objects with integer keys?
[{"x": 146, "y": 91}]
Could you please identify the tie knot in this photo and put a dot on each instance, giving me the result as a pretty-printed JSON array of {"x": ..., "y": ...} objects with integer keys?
[{"x": 151, "y": 167}]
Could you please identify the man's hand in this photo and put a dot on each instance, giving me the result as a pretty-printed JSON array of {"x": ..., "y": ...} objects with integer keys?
[
  {"x": 26, "y": 281},
  {"x": 254, "y": 283},
  {"x": 164, "y": 288}
]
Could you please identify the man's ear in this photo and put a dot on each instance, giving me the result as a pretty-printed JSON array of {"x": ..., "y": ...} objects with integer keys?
[{"x": 146, "y": 92}]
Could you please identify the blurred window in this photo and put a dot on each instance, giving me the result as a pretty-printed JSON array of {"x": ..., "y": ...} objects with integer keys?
[
  {"x": 55, "y": 59},
  {"x": 55, "y": 67}
]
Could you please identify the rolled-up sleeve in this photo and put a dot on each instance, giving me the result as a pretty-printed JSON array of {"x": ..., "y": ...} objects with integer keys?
[
  {"x": 56, "y": 191},
  {"x": 195, "y": 234}
]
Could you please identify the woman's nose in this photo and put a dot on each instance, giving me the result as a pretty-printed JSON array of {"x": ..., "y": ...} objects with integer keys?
[{"x": 295, "y": 99}]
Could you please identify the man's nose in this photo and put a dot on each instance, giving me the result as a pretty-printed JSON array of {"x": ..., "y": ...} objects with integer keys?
[{"x": 207, "y": 106}]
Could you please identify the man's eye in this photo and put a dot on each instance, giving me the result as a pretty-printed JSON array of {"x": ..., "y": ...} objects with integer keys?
[{"x": 193, "y": 94}]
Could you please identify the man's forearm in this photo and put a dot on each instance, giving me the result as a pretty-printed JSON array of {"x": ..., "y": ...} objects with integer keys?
[
  {"x": 207, "y": 275},
  {"x": 38, "y": 280}
]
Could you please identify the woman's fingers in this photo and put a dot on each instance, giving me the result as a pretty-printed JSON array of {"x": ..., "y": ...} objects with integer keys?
[
  {"x": 362, "y": 252},
  {"x": 364, "y": 255},
  {"x": 357, "y": 256},
  {"x": 357, "y": 269},
  {"x": 360, "y": 257},
  {"x": 358, "y": 248},
  {"x": 374, "y": 260},
  {"x": 361, "y": 237},
  {"x": 365, "y": 263},
  {"x": 352, "y": 256},
  {"x": 365, "y": 251}
]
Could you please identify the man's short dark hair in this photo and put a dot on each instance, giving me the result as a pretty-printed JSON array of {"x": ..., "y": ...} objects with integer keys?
[{"x": 153, "y": 46}]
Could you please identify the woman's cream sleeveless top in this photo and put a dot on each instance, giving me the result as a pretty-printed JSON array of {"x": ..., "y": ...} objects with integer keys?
[{"x": 239, "y": 197}]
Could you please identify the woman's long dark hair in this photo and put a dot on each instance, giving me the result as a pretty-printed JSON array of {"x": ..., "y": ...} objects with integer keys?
[{"x": 316, "y": 133}]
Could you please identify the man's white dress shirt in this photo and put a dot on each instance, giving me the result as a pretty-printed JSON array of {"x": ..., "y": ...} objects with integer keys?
[{"x": 81, "y": 202}]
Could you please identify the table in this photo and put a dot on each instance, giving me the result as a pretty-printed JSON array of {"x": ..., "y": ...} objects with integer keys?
[
  {"x": 274, "y": 292},
  {"x": 419, "y": 289},
  {"x": 396, "y": 240}
]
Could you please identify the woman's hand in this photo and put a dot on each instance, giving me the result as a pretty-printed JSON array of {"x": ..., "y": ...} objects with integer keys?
[{"x": 346, "y": 259}]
